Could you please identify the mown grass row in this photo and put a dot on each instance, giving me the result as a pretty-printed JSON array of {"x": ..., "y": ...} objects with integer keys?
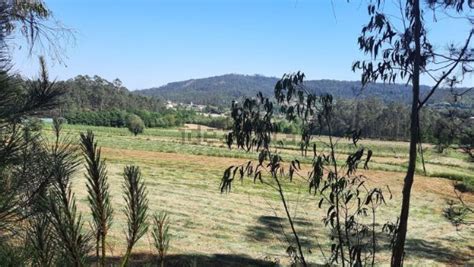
[
  {"x": 451, "y": 165},
  {"x": 205, "y": 221}
]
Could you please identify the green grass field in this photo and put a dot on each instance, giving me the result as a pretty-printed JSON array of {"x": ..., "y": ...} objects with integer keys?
[{"x": 183, "y": 168}]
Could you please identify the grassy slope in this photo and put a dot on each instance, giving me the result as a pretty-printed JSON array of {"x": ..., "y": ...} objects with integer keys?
[{"x": 183, "y": 178}]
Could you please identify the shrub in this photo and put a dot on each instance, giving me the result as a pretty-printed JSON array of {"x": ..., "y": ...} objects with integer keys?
[{"x": 135, "y": 124}]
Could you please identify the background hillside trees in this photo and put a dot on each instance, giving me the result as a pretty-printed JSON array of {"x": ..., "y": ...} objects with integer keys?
[{"x": 222, "y": 90}]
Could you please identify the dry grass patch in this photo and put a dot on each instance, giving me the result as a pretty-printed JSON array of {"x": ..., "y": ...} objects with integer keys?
[{"x": 249, "y": 220}]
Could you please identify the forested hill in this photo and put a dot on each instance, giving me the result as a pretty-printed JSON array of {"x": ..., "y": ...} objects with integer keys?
[
  {"x": 85, "y": 93},
  {"x": 221, "y": 90}
]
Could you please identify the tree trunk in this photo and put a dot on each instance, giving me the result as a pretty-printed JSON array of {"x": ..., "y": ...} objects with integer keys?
[
  {"x": 298, "y": 243},
  {"x": 102, "y": 261},
  {"x": 97, "y": 246},
  {"x": 399, "y": 245}
]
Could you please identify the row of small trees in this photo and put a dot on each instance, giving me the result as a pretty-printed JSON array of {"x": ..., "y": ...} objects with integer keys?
[
  {"x": 136, "y": 208},
  {"x": 40, "y": 224},
  {"x": 37, "y": 204},
  {"x": 55, "y": 234}
]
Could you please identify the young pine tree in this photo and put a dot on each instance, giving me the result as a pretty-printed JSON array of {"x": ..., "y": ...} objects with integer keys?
[
  {"x": 98, "y": 190},
  {"x": 136, "y": 209},
  {"x": 61, "y": 205},
  {"x": 161, "y": 236}
]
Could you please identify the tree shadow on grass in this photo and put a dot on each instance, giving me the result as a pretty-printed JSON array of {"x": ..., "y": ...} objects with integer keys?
[
  {"x": 184, "y": 260},
  {"x": 268, "y": 228},
  {"x": 426, "y": 249},
  {"x": 420, "y": 250}
]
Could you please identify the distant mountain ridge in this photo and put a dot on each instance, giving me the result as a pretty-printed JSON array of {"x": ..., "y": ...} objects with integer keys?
[{"x": 221, "y": 90}]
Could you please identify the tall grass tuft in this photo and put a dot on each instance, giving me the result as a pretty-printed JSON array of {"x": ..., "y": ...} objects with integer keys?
[
  {"x": 98, "y": 193},
  {"x": 136, "y": 209}
]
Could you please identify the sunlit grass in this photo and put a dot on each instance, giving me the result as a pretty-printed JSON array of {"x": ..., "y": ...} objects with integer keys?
[
  {"x": 388, "y": 155},
  {"x": 184, "y": 182}
]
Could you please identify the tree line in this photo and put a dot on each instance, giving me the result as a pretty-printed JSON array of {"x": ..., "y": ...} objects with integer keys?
[
  {"x": 163, "y": 119},
  {"x": 443, "y": 125},
  {"x": 118, "y": 118},
  {"x": 86, "y": 93}
]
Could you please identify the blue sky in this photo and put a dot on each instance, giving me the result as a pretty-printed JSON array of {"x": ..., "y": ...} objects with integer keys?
[{"x": 149, "y": 43}]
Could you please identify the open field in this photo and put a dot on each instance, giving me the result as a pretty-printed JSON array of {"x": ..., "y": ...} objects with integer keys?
[{"x": 182, "y": 170}]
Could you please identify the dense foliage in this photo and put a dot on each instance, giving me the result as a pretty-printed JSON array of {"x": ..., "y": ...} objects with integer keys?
[
  {"x": 163, "y": 119},
  {"x": 96, "y": 93},
  {"x": 372, "y": 116},
  {"x": 118, "y": 118},
  {"x": 85, "y": 93},
  {"x": 378, "y": 120}
]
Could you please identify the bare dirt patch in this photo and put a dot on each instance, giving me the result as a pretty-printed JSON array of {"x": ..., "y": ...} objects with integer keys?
[{"x": 191, "y": 126}]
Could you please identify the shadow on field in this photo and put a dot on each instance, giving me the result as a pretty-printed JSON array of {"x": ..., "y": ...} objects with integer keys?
[
  {"x": 426, "y": 249},
  {"x": 185, "y": 260},
  {"x": 268, "y": 228},
  {"x": 415, "y": 248},
  {"x": 419, "y": 249}
]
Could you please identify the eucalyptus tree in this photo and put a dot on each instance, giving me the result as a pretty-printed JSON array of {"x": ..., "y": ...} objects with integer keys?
[
  {"x": 401, "y": 50},
  {"x": 338, "y": 186},
  {"x": 34, "y": 21}
]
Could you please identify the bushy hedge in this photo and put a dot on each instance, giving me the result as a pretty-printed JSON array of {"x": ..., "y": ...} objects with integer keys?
[
  {"x": 118, "y": 118},
  {"x": 164, "y": 119}
]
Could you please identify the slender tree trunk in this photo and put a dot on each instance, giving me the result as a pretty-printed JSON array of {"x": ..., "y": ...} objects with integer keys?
[
  {"x": 399, "y": 246},
  {"x": 97, "y": 246},
  {"x": 338, "y": 221},
  {"x": 298, "y": 243},
  {"x": 126, "y": 257},
  {"x": 103, "y": 251}
]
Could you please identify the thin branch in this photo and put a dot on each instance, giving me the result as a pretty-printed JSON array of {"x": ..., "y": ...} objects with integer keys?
[{"x": 446, "y": 74}]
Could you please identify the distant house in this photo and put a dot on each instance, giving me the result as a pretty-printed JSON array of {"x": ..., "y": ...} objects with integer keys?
[
  {"x": 47, "y": 120},
  {"x": 191, "y": 106},
  {"x": 170, "y": 105}
]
